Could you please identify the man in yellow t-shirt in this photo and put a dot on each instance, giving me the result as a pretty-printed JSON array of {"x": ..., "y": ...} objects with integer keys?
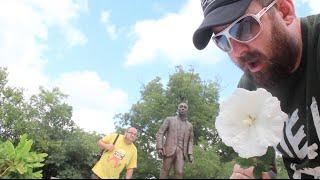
[{"x": 118, "y": 156}]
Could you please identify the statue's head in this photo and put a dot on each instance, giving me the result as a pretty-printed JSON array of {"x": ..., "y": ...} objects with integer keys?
[{"x": 182, "y": 109}]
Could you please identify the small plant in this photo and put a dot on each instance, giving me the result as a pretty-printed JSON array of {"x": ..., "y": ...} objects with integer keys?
[{"x": 19, "y": 162}]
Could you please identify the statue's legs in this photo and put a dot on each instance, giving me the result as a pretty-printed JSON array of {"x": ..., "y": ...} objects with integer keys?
[
  {"x": 166, "y": 166},
  {"x": 178, "y": 163}
]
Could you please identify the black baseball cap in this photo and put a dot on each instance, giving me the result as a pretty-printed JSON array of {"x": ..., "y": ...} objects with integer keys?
[{"x": 217, "y": 13}]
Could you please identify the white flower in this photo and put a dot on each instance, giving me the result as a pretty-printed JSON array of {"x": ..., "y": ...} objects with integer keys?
[{"x": 250, "y": 122}]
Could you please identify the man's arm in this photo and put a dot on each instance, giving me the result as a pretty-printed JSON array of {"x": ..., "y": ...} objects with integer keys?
[
  {"x": 132, "y": 164},
  {"x": 105, "y": 146},
  {"x": 129, "y": 173}
]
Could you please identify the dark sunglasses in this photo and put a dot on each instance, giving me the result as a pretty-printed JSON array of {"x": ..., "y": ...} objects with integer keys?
[{"x": 244, "y": 29}]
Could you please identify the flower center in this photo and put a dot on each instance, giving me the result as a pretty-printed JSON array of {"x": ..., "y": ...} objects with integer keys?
[{"x": 250, "y": 120}]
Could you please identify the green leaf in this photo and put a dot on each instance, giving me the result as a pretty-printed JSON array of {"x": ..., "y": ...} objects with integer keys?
[
  {"x": 257, "y": 171},
  {"x": 36, "y": 165},
  {"x": 37, "y": 175},
  {"x": 266, "y": 161},
  {"x": 245, "y": 163},
  {"x": 261, "y": 164},
  {"x": 23, "y": 147},
  {"x": 9, "y": 149},
  {"x": 19, "y": 162},
  {"x": 1, "y": 162},
  {"x": 42, "y": 155},
  {"x": 21, "y": 168},
  {"x": 269, "y": 157}
]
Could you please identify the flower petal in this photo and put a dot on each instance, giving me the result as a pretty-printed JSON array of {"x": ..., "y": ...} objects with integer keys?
[{"x": 266, "y": 120}]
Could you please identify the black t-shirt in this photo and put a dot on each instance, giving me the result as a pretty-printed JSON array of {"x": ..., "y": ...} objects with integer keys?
[{"x": 299, "y": 96}]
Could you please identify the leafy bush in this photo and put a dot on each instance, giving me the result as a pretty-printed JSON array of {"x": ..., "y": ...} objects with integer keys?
[{"x": 19, "y": 162}]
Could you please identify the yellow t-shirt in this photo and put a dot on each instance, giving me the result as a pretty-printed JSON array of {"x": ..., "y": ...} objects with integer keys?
[{"x": 112, "y": 163}]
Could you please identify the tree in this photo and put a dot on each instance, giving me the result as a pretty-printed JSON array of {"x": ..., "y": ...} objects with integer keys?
[
  {"x": 52, "y": 123},
  {"x": 158, "y": 102},
  {"x": 202, "y": 98},
  {"x": 80, "y": 149},
  {"x": 207, "y": 164},
  {"x": 71, "y": 150},
  {"x": 13, "y": 110},
  {"x": 281, "y": 170},
  {"x": 46, "y": 118}
]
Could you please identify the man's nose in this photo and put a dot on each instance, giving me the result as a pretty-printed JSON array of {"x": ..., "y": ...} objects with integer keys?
[{"x": 238, "y": 49}]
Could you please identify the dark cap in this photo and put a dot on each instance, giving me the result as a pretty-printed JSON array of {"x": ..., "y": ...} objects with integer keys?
[{"x": 217, "y": 13}]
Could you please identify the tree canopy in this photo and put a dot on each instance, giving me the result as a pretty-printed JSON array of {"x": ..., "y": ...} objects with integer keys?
[
  {"x": 61, "y": 149},
  {"x": 46, "y": 118},
  {"x": 159, "y": 101}
]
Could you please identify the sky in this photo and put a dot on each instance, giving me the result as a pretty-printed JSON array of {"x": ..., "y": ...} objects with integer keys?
[{"x": 101, "y": 52}]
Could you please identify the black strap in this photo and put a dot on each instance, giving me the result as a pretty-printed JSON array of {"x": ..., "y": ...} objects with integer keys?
[{"x": 115, "y": 140}]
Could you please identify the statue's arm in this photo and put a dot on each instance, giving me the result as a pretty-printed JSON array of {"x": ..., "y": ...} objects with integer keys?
[
  {"x": 162, "y": 130},
  {"x": 190, "y": 143}
]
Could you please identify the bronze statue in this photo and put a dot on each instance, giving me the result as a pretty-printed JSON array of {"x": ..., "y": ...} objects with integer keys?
[{"x": 175, "y": 143}]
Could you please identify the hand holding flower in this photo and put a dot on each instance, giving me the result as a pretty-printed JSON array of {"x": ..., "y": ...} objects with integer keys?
[{"x": 241, "y": 173}]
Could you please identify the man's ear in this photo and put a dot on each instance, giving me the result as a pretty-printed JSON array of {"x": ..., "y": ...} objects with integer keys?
[{"x": 286, "y": 11}]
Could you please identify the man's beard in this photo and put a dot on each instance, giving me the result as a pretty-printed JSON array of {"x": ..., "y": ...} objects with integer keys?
[{"x": 284, "y": 51}]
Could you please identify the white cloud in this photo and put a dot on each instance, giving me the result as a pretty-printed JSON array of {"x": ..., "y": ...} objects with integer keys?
[
  {"x": 24, "y": 34},
  {"x": 105, "y": 15},
  {"x": 75, "y": 36},
  {"x": 25, "y": 26},
  {"x": 62, "y": 13},
  {"x": 111, "y": 29},
  {"x": 94, "y": 102},
  {"x": 171, "y": 36},
  {"x": 19, "y": 49},
  {"x": 313, "y": 4}
]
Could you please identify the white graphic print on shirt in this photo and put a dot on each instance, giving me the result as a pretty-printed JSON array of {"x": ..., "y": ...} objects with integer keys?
[{"x": 296, "y": 139}]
